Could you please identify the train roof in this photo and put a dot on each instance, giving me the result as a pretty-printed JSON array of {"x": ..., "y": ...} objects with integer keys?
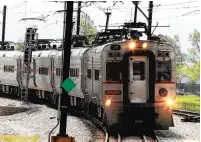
[
  {"x": 162, "y": 45},
  {"x": 76, "y": 52},
  {"x": 15, "y": 54},
  {"x": 44, "y": 53}
]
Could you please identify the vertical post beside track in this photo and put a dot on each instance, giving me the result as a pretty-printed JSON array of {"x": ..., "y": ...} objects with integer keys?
[
  {"x": 66, "y": 64},
  {"x": 3, "y": 26}
]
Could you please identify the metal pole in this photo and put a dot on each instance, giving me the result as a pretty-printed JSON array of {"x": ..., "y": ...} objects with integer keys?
[
  {"x": 78, "y": 17},
  {"x": 150, "y": 19},
  {"x": 3, "y": 25},
  {"x": 107, "y": 20},
  {"x": 135, "y": 15},
  {"x": 66, "y": 66}
]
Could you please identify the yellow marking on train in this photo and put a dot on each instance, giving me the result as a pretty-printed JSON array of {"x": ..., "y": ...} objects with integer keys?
[{"x": 18, "y": 138}]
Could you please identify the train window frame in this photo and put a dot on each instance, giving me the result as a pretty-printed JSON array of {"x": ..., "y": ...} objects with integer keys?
[
  {"x": 74, "y": 72},
  {"x": 142, "y": 72},
  {"x": 43, "y": 71},
  {"x": 106, "y": 73},
  {"x": 166, "y": 73},
  {"x": 9, "y": 68},
  {"x": 89, "y": 74},
  {"x": 97, "y": 72},
  {"x": 58, "y": 71}
]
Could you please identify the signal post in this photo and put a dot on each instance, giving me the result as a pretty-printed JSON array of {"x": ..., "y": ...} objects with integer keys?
[{"x": 64, "y": 101}]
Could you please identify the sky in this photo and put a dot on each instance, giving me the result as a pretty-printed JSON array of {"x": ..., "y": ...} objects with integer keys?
[{"x": 182, "y": 17}]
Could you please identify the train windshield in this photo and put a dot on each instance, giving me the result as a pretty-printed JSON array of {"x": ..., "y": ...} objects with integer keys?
[
  {"x": 163, "y": 71},
  {"x": 113, "y": 71}
]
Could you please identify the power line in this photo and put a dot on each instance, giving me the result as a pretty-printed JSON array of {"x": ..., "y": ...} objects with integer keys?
[
  {"x": 99, "y": 7},
  {"x": 190, "y": 12},
  {"x": 174, "y": 4},
  {"x": 183, "y": 15},
  {"x": 11, "y": 8}
]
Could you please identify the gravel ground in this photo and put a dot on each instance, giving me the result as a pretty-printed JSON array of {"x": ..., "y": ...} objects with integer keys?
[{"x": 43, "y": 119}]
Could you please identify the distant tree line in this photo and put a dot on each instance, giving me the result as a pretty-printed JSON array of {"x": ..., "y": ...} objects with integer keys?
[{"x": 187, "y": 65}]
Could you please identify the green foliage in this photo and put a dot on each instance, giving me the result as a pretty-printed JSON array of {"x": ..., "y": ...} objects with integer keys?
[
  {"x": 20, "y": 45},
  {"x": 193, "y": 71},
  {"x": 87, "y": 28},
  {"x": 189, "y": 103},
  {"x": 175, "y": 42},
  {"x": 194, "y": 51},
  {"x": 195, "y": 40},
  {"x": 188, "y": 99},
  {"x": 180, "y": 73}
]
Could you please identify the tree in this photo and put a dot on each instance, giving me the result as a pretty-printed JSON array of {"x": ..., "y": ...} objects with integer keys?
[
  {"x": 193, "y": 71},
  {"x": 86, "y": 26},
  {"x": 194, "y": 51},
  {"x": 20, "y": 45}
]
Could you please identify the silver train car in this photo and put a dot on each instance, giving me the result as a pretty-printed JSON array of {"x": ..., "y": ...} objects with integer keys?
[{"x": 126, "y": 84}]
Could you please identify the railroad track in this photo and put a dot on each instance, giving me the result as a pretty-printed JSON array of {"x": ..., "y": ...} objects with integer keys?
[
  {"x": 187, "y": 115},
  {"x": 150, "y": 137},
  {"x": 95, "y": 121},
  {"x": 98, "y": 123}
]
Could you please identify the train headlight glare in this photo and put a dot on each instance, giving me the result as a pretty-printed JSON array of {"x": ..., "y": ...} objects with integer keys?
[
  {"x": 144, "y": 45},
  {"x": 163, "y": 92},
  {"x": 169, "y": 102},
  {"x": 108, "y": 102},
  {"x": 132, "y": 45}
]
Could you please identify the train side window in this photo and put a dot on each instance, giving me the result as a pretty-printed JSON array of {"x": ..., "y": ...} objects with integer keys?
[
  {"x": 8, "y": 68},
  {"x": 163, "y": 71},
  {"x": 138, "y": 70},
  {"x": 58, "y": 71},
  {"x": 43, "y": 70},
  {"x": 89, "y": 73},
  {"x": 74, "y": 72},
  {"x": 71, "y": 72},
  {"x": 97, "y": 75},
  {"x": 113, "y": 71}
]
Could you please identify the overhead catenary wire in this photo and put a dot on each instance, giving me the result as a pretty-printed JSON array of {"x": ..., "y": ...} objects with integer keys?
[
  {"x": 17, "y": 6},
  {"x": 174, "y": 4}
]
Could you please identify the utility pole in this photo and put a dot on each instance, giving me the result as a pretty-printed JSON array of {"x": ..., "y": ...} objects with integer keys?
[
  {"x": 3, "y": 26},
  {"x": 135, "y": 14},
  {"x": 107, "y": 20},
  {"x": 150, "y": 18},
  {"x": 78, "y": 17},
  {"x": 66, "y": 65}
]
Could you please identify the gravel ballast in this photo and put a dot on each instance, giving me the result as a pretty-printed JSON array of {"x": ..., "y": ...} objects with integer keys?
[{"x": 40, "y": 122}]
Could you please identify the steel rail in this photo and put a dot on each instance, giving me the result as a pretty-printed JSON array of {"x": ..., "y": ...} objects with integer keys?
[{"x": 94, "y": 120}]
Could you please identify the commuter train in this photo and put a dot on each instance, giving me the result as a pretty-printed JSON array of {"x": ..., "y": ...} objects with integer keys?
[{"x": 126, "y": 84}]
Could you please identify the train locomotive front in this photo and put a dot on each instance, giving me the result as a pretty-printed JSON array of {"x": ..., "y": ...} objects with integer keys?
[{"x": 137, "y": 85}]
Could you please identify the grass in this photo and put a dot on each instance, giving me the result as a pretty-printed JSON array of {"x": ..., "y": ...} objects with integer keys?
[
  {"x": 17, "y": 138},
  {"x": 190, "y": 103}
]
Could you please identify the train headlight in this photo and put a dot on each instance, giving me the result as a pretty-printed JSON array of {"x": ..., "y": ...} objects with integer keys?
[
  {"x": 144, "y": 45},
  {"x": 107, "y": 103},
  {"x": 169, "y": 102},
  {"x": 163, "y": 92},
  {"x": 132, "y": 45}
]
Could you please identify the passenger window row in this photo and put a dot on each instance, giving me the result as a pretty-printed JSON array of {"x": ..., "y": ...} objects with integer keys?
[
  {"x": 74, "y": 72},
  {"x": 43, "y": 70},
  {"x": 9, "y": 68},
  {"x": 96, "y": 74},
  {"x": 59, "y": 71}
]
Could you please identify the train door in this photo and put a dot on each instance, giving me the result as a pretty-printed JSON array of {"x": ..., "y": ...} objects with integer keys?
[{"x": 138, "y": 79}]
